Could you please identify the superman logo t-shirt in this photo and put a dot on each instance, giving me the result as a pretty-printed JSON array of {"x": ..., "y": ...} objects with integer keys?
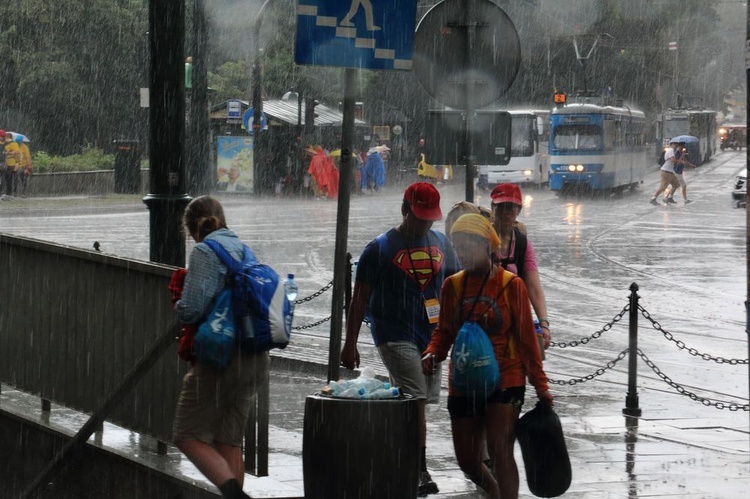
[{"x": 403, "y": 274}]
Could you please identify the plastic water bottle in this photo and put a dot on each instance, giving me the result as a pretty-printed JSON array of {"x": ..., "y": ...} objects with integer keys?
[
  {"x": 382, "y": 393},
  {"x": 291, "y": 289},
  {"x": 352, "y": 393},
  {"x": 539, "y": 337}
]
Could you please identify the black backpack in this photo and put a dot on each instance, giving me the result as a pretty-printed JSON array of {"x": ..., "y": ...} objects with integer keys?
[{"x": 661, "y": 159}]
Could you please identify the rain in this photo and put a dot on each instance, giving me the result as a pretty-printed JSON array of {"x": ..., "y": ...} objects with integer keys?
[{"x": 73, "y": 92}]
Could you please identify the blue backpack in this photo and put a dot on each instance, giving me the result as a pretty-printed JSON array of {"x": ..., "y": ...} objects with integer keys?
[{"x": 262, "y": 312}]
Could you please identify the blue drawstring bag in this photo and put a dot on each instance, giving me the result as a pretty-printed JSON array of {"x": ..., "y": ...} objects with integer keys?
[
  {"x": 215, "y": 339},
  {"x": 475, "y": 369}
]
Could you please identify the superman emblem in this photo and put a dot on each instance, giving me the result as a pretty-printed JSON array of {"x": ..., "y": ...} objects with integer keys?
[{"x": 421, "y": 264}]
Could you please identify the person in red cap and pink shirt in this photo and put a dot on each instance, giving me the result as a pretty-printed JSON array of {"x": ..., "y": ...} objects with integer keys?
[
  {"x": 399, "y": 277},
  {"x": 516, "y": 253}
]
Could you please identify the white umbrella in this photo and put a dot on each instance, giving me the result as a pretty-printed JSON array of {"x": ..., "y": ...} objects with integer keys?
[{"x": 15, "y": 134}]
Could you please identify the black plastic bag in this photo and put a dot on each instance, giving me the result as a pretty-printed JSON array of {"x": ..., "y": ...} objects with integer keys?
[{"x": 545, "y": 455}]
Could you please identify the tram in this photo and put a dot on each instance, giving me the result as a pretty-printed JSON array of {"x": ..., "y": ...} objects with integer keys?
[
  {"x": 596, "y": 147},
  {"x": 699, "y": 123}
]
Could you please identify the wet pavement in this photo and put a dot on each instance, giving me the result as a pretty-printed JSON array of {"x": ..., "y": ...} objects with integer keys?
[{"x": 689, "y": 262}]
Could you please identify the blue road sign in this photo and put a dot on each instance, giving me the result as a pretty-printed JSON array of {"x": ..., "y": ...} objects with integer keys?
[
  {"x": 369, "y": 34},
  {"x": 247, "y": 121}
]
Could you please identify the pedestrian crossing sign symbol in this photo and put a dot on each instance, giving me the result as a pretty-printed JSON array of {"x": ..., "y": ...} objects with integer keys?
[{"x": 367, "y": 34}]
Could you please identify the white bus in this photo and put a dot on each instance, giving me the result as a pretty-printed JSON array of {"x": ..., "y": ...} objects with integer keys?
[{"x": 529, "y": 154}]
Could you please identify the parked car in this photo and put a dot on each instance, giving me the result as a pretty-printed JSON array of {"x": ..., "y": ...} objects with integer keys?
[{"x": 739, "y": 194}]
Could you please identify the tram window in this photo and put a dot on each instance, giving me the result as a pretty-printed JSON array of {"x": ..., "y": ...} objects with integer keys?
[{"x": 584, "y": 137}]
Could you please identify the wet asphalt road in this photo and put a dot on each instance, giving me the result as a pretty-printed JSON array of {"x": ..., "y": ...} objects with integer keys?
[{"x": 689, "y": 262}]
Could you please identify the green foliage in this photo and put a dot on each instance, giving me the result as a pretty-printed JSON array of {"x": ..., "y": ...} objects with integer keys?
[
  {"x": 230, "y": 81},
  {"x": 90, "y": 159}
]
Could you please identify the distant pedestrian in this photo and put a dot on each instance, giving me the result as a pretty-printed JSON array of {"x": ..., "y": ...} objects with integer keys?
[
  {"x": 373, "y": 173},
  {"x": 398, "y": 282},
  {"x": 679, "y": 165},
  {"x": 478, "y": 294},
  {"x": 667, "y": 173},
  {"x": 214, "y": 405},
  {"x": 12, "y": 159},
  {"x": 26, "y": 168}
]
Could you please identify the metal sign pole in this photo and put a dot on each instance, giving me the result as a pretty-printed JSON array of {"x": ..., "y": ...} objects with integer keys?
[{"x": 342, "y": 226}]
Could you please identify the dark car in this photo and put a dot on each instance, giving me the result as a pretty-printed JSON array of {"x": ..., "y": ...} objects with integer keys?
[{"x": 739, "y": 194}]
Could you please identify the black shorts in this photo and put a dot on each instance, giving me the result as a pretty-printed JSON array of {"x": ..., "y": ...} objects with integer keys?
[{"x": 469, "y": 407}]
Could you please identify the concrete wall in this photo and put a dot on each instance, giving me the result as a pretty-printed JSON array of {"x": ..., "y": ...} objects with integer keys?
[{"x": 78, "y": 183}]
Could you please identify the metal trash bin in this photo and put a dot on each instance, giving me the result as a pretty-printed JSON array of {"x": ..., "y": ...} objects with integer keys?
[
  {"x": 360, "y": 448},
  {"x": 127, "y": 167}
]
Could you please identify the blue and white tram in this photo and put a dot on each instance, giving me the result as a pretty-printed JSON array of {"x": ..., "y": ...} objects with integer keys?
[{"x": 596, "y": 147}]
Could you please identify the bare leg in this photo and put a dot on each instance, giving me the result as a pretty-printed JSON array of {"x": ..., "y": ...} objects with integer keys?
[
  {"x": 468, "y": 442},
  {"x": 211, "y": 461},
  {"x": 501, "y": 436}
]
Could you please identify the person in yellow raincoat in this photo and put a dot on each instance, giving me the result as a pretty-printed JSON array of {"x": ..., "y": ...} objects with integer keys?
[
  {"x": 25, "y": 168},
  {"x": 12, "y": 159}
]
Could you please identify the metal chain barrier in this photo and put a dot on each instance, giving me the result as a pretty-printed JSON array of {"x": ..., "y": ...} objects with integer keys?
[
  {"x": 308, "y": 298},
  {"x": 594, "y": 336},
  {"x": 681, "y": 345},
  {"x": 680, "y": 389},
  {"x": 310, "y": 326},
  {"x": 598, "y": 372},
  {"x": 314, "y": 295}
]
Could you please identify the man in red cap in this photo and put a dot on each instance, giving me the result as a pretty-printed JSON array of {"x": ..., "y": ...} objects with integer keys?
[
  {"x": 516, "y": 253},
  {"x": 399, "y": 277}
]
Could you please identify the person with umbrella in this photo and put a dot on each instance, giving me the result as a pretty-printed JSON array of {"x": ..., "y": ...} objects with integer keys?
[{"x": 667, "y": 172}]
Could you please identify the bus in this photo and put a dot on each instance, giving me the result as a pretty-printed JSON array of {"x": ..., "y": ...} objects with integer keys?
[
  {"x": 596, "y": 148},
  {"x": 699, "y": 123},
  {"x": 529, "y": 154}
]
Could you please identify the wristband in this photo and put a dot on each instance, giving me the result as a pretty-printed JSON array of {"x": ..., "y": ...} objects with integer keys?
[
  {"x": 544, "y": 320},
  {"x": 545, "y": 327}
]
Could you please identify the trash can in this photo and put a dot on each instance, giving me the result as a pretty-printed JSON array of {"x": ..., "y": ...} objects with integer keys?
[
  {"x": 359, "y": 448},
  {"x": 127, "y": 167}
]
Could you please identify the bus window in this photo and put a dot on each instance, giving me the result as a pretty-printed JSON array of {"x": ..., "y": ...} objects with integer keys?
[
  {"x": 572, "y": 137},
  {"x": 522, "y": 136}
]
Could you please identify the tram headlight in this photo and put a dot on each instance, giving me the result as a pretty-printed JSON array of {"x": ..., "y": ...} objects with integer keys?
[
  {"x": 575, "y": 168},
  {"x": 527, "y": 173},
  {"x": 579, "y": 168},
  {"x": 571, "y": 168}
]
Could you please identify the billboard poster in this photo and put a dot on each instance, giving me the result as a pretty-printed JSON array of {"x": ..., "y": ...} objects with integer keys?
[{"x": 234, "y": 163}]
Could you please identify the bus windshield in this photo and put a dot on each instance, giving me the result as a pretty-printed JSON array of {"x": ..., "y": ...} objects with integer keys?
[
  {"x": 578, "y": 137},
  {"x": 522, "y": 136},
  {"x": 676, "y": 126}
]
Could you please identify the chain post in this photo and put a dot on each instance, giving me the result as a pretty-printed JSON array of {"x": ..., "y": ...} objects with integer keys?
[{"x": 631, "y": 400}]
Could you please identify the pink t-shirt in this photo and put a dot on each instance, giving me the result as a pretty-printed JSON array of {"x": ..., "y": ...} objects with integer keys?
[{"x": 531, "y": 265}]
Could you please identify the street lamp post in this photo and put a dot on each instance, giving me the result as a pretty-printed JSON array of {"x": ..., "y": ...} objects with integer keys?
[{"x": 260, "y": 175}]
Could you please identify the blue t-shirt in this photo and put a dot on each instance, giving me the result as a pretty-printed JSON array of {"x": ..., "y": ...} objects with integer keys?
[{"x": 402, "y": 274}]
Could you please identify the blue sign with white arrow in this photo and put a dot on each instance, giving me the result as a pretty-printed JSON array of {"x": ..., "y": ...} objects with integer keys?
[
  {"x": 368, "y": 34},
  {"x": 247, "y": 121}
]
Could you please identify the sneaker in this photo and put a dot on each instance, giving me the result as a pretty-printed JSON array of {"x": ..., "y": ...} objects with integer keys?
[
  {"x": 688, "y": 201},
  {"x": 670, "y": 201},
  {"x": 426, "y": 485},
  {"x": 654, "y": 202}
]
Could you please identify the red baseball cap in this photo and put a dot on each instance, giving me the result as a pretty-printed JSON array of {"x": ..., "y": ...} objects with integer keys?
[
  {"x": 424, "y": 201},
  {"x": 506, "y": 193}
]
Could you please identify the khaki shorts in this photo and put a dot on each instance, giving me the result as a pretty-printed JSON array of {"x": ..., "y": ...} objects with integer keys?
[
  {"x": 668, "y": 178},
  {"x": 680, "y": 180},
  {"x": 404, "y": 363},
  {"x": 214, "y": 405}
]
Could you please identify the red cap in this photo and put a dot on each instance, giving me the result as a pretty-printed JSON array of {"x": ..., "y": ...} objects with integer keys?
[
  {"x": 506, "y": 193},
  {"x": 2, "y": 133},
  {"x": 424, "y": 201}
]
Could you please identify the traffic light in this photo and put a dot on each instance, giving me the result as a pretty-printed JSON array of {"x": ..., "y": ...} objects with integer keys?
[{"x": 310, "y": 105}]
